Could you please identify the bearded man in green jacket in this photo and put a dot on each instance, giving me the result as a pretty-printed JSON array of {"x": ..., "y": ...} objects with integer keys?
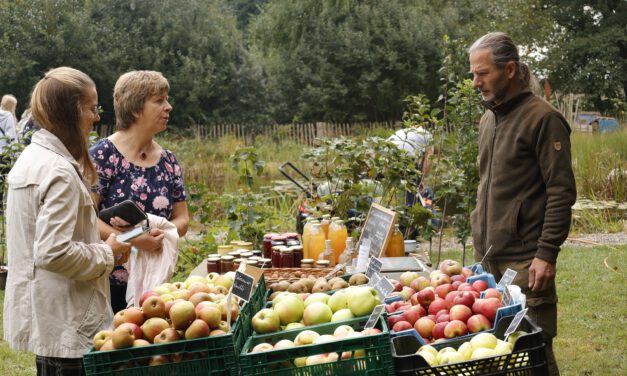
[{"x": 527, "y": 186}]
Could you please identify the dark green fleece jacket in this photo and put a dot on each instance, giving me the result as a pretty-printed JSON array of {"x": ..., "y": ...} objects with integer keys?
[{"x": 527, "y": 186}]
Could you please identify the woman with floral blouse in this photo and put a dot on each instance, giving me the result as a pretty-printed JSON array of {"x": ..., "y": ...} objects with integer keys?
[{"x": 132, "y": 166}]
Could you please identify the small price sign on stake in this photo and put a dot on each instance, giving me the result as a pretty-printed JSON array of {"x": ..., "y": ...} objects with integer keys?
[
  {"x": 384, "y": 287},
  {"x": 507, "y": 296},
  {"x": 507, "y": 278},
  {"x": 337, "y": 268},
  {"x": 515, "y": 322},
  {"x": 374, "y": 267},
  {"x": 372, "y": 282},
  {"x": 374, "y": 316},
  {"x": 242, "y": 285}
]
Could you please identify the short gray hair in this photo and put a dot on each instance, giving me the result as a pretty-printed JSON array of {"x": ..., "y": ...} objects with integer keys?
[{"x": 503, "y": 51}]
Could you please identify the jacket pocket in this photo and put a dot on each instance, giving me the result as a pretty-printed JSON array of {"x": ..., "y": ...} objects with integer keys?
[
  {"x": 514, "y": 219},
  {"x": 93, "y": 318}
]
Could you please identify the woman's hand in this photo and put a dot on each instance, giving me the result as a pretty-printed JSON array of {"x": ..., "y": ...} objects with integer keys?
[
  {"x": 151, "y": 241},
  {"x": 120, "y": 250},
  {"x": 119, "y": 224}
]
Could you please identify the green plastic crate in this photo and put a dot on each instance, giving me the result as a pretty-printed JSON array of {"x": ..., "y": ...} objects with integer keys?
[
  {"x": 377, "y": 359},
  {"x": 197, "y": 357}
]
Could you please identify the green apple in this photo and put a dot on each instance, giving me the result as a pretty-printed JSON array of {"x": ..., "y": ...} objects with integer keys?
[
  {"x": 450, "y": 357},
  {"x": 316, "y": 297},
  {"x": 266, "y": 321},
  {"x": 194, "y": 278},
  {"x": 502, "y": 347},
  {"x": 483, "y": 340},
  {"x": 317, "y": 313},
  {"x": 514, "y": 336},
  {"x": 342, "y": 315},
  {"x": 306, "y": 337},
  {"x": 294, "y": 325},
  {"x": 465, "y": 349},
  {"x": 482, "y": 352},
  {"x": 339, "y": 300},
  {"x": 362, "y": 300},
  {"x": 290, "y": 309},
  {"x": 429, "y": 349}
]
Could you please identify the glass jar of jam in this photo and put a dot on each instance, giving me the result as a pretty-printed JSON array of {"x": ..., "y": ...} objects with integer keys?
[
  {"x": 287, "y": 258},
  {"x": 213, "y": 265},
  {"x": 251, "y": 262},
  {"x": 297, "y": 254},
  {"x": 278, "y": 240},
  {"x": 322, "y": 263},
  {"x": 257, "y": 252},
  {"x": 292, "y": 242},
  {"x": 235, "y": 253},
  {"x": 267, "y": 245},
  {"x": 276, "y": 256},
  {"x": 291, "y": 235},
  {"x": 306, "y": 263},
  {"x": 264, "y": 263},
  {"x": 226, "y": 263},
  {"x": 246, "y": 255}
]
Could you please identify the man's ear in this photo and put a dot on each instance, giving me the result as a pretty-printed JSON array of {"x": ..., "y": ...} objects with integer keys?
[{"x": 510, "y": 69}]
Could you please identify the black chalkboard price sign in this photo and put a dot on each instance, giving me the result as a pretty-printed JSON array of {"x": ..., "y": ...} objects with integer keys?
[
  {"x": 242, "y": 285},
  {"x": 378, "y": 227}
]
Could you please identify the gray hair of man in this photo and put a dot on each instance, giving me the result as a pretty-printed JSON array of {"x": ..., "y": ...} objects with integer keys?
[{"x": 503, "y": 51}]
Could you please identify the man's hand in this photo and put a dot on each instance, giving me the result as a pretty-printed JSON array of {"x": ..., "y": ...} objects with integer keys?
[
  {"x": 541, "y": 275},
  {"x": 152, "y": 241}
]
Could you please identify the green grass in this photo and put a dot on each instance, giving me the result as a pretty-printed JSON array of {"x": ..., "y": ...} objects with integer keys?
[{"x": 591, "y": 323}]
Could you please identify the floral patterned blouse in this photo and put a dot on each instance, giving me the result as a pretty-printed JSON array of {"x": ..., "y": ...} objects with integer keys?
[{"x": 154, "y": 189}]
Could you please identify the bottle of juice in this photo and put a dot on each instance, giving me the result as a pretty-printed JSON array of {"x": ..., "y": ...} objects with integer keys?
[
  {"x": 396, "y": 245},
  {"x": 327, "y": 254},
  {"x": 305, "y": 239},
  {"x": 316, "y": 241},
  {"x": 346, "y": 257},
  {"x": 326, "y": 222},
  {"x": 338, "y": 235}
]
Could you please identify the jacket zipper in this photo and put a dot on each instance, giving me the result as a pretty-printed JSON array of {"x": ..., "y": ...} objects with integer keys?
[{"x": 488, "y": 183}]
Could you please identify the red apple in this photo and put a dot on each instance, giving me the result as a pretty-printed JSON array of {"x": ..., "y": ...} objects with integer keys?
[
  {"x": 145, "y": 295},
  {"x": 413, "y": 313},
  {"x": 211, "y": 315},
  {"x": 152, "y": 327},
  {"x": 424, "y": 327},
  {"x": 443, "y": 290},
  {"x": 393, "y": 319},
  {"x": 426, "y": 296},
  {"x": 153, "y": 307},
  {"x": 487, "y": 307},
  {"x": 131, "y": 314},
  {"x": 450, "y": 298},
  {"x": 437, "y": 305},
  {"x": 444, "y": 317},
  {"x": 480, "y": 285},
  {"x": 124, "y": 335},
  {"x": 455, "y": 285},
  {"x": 466, "y": 298},
  {"x": 167, "y": 335},
  {"x": 438, "y": 330},
  {"x": 493, "y": 292},
  {"x": 401, "y": 325},
  {"x": 477, "y": 323},
  {"x": 197, "y": 329},
  {"x": 397, "y": 286},
  {"x": 467, "y": 272},
  {"x": 455, "y": 328},
  {"x": 407, "y": 292},
  {"x": 458, "y": 278},
  {"x": 460, "y": 312},
  {"x": 370, "y": 331}
]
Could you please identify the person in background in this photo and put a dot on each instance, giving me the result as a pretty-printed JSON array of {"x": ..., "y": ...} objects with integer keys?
[
  {"x": 132, "y": 166},
  {"x": 57, "y": 293},
  {"x": 527, "y": 185},
  {"x": 8, "y": 135}
]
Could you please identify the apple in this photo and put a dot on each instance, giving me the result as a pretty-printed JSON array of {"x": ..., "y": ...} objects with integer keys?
[
  {"x": 146, "y": 295},
  {"x": 164, "y": 288},
  {"x": 443, "y": 353},
  {"x": 511, "y": 339},
  {"x": 300, "y": 362},
  {"x": 217, "y": 332},
  {"x": 478, "y": 323},
  {"x": 210, "y": 314},
  {"x": 455, "y": 328},
  {"x": 131, "y": 314},
  {"x": 401, "y": 325},
  {"x": 492, "y": 292},
  {"x": 153, "y": 327},
  {"x": 482, "y": 352},
  {"x": 141, "y": 343},
  {"x": 460, "y": 312},
  {"x": 370, "y": 331},
  {"x": 393, "y": 319},
  {"x": 200, "y": 306},
  {"x": 483, "y": 340},
  {"x": 306, "y": 337},
  {"x": 398, "y": 286},
  {"x": 317, "y": 297},
  {"x": 107, "y": 345},
  {"x": 211, "y": 277},
  {"x": 424, "y": 327},
  {"x": 438, "y": 330},
  {"x": 480, "y": 285},
  {"x": 182, "y": 314},
  {"x": 451, "y": 357},
  {"x": 224, "y": 326},
  {"x": 167, "y": 335},
  {"x": 194, "y": 279},
  {"x": 465, "y": 350},
  {"x": 362, "y": 300},
  {"x": 444, "y": 317},
  {"x": 224, "y": 280},
  {"x": 450, "y": 267},
  {"x": 343, "y": 330},
  {"x": 450, "y": 298},
  {"x": 419, "y": 283},
  {"x": 342, "y": 315},
  {"x": 182, "y": 294},
  {"x": 197, "y": 287},
  {"x": 234, "y": 309},
  {"x": 266, "y": 321},
  {"x": 321, "y": 358},
  {"x": 291, "y": 309},
  {"x": 200, "y": 296},
  {"x": 220, "y": 290},
  {"x": 339, "y": 300},
  {"x": 429, "y": 358},
  {"x": 436, "y": 306},
  {"x": 455, "y": 285},
  {"x": 407, "y": 277},
  {"x": 324, "y": 339},
  {"x": 158, "y": 360},
  {"x": 502, "y": 347},
  {"x": 443, "y": 290},
  {"x": 426, "y": 296},
  {"x": 153, "y": 306},
  {"x": 294, "y": 325},
  {"x": 124, "y": 335},
  {"x": 197, "y": 329},
  {"x": 428, "y": 349},
  {"x": 466, "y": 298},
  {"x": 440, "y": 279},
  {"x": 284, "y": 344},
  {"x": 101, "y": 337},
  {"x": 169, "y": 305},
  {"x": 487, "y": 307},
  {"x": 407, "y": 292},
  {"x": 317, "y": 313},
  {"x": 458, "y": 278},
  {"x": 413, "y": 313}
]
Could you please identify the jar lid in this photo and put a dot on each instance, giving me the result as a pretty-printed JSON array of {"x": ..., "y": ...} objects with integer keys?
[
  {"x": 254, "y": 258},
  {"x": 213, "y": 258},
  {"x": 323, "y": 262},
  {"x": 296, "y": 248},
  {"x": 238, "y": 260},
  {"x": 278, "y": 247},
  {"x": 246, "y": 254},
  {"x": 227, "y": 258},
  {"x": 251, "y": 262},
  {"x": 264, "y": 260},
  {"x": 306, "y": 261},
  {"x": 285, "y": 249},
  {"x": 235, "y": 253}
]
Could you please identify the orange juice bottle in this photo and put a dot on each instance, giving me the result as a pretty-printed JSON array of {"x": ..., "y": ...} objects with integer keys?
[
  {"x": 326, "y": 222},
  {"x": 396, "y": 245},
  {"x": 316, "y": 241},
  {"x": 338, "y": 235},
  {"x": 305, "y": 239}
]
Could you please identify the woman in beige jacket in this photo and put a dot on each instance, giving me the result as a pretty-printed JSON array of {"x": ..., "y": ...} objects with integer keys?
[{"x": 57, "y": 294}]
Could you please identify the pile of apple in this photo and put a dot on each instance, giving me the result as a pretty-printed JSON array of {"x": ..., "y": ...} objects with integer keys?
[
  {"x": 195, "y": 308},
  {"x": 292, "y": 310},
  {"x": 483, "y": 345},
  {"x": 310, "y": 337},
  {"x": 444, "y": 306},
  {"x": 312, "y": 284}
]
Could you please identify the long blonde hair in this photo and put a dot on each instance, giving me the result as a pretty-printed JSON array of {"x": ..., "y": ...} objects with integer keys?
[
  {"x": 8, "y": 103},
  {"x": 56, "y": 104}
]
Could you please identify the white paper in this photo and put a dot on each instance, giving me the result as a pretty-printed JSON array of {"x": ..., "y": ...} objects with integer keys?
[{"x": 363, "y": 257}]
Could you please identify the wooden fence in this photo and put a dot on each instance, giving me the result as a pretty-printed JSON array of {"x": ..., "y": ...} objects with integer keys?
[{"x": 304, "y": 133}]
